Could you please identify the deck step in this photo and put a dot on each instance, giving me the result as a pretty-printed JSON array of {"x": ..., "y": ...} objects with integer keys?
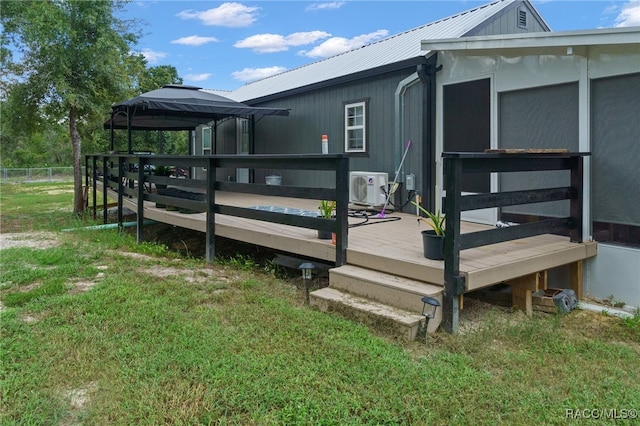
[
  {"x": 400, "y": 292},
  {"x": 390, "y": 320}
]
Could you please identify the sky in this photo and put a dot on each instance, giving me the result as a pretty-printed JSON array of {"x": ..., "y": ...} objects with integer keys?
[{"x": 223, "y": 45}]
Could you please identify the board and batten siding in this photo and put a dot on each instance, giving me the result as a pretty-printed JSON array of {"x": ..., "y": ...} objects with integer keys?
[
  {"x": 319, "y": 112},
  {"x": 508, "y": 22}
]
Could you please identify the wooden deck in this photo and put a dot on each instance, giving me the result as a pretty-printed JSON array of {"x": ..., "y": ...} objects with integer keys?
[
  {"x": 390, "y": 245},
  {"x": 386, "y": 274},
  {"x": 379, "y": 263}
]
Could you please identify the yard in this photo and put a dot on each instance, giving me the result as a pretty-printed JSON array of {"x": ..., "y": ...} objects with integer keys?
[{"x": 97, "y": 329}]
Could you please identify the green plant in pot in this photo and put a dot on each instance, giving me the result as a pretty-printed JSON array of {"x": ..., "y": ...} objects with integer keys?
[
  {"x": 326, "y": 212},
  {"x": 432, "y": 239}
]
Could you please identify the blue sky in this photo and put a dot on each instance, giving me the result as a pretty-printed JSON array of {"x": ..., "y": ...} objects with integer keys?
[{"x": 223, "y": 45}]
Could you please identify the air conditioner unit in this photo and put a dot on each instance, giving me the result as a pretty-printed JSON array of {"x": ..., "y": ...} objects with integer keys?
[{"x": 368, "y": 188}]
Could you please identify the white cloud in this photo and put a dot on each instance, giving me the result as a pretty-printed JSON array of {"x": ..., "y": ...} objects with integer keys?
[
  {"x": 226, "y": 15},
  {"x": 194, "y": 40},
  {"x": 629, "y": 16},
  {"x": 197, "y": 77},
  {"x": 325, "y": 6},
  {"x": 269, "y": 43},
  {"x": 337, "y": 45},
  {"x": 251, "y": 74},
  {"x": 153, "y": 56}
]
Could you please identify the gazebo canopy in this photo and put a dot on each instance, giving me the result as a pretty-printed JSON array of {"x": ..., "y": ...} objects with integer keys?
[{"x": 178, "y": 107}]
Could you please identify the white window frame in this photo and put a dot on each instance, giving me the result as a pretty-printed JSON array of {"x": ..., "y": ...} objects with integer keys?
[
  {"x": 362, "y": 127},
  {"x": 206, "y": 140}
]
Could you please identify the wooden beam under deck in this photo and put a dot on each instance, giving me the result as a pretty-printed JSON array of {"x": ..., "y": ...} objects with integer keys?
[{"x": 392, "y": 244}]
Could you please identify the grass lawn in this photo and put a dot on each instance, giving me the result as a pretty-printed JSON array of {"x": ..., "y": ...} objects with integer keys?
[{"x": 98, "y": 330}]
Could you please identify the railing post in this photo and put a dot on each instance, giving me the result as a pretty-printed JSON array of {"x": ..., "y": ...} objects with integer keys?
[
  {"x": 576, "y": 204},
  {"x": 452, "y": 279},
  {"x": 140, "y": 210},
  {"x": 105, "y": 187},
  {"x": 94, "y": 185},
  {"x": 342, "y": 210},
  {"x": 210, "y": 216},
  {"x": 120, "y": 190}
]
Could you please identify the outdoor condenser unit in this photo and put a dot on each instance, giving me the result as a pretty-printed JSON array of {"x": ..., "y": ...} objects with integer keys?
[{"x": 368, "y": 188}]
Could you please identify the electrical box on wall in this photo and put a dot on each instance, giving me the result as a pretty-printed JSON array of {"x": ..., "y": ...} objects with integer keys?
[{"x": 410, "y": 182}]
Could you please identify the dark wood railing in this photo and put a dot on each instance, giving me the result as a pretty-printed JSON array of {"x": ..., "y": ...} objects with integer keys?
[
  {"x": 456, "y": 164},
  {"x": 130, "y": 175}
]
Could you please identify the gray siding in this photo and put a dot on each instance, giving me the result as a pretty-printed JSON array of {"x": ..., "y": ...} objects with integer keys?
[
  {"x": 322, "y": 112},
  {"x": 507, "y": 22}
]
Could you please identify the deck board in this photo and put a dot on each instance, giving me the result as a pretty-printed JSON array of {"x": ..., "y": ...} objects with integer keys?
[{"x": 391, "y": 246}]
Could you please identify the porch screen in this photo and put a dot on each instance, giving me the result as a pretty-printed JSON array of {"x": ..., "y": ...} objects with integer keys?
[
  {"x": 543, "y": 117},
  {"x": 615, "y": 146}
]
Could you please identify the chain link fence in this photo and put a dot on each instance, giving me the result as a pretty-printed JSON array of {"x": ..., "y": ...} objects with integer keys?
[{"x": 37, "y": 174}]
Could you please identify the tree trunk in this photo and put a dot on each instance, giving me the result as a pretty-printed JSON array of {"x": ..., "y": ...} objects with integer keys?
[{"x": 78, "y": 198}]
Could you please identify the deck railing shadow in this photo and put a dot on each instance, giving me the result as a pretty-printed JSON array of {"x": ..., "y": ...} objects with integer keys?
[
  {"x": 455, "y": 164},
  {"x": 132, "y": 176}
]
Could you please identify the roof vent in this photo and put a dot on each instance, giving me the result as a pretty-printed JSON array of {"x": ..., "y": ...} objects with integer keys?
[{"x": 522, "y": 19}]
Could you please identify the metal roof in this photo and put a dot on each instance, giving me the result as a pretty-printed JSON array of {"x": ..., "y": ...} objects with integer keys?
[{"x": 394, "y": 49}]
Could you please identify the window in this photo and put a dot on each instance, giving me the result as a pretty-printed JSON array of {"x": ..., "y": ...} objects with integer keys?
[
  {"x": 544, "y": 117},
  {"x": 615, "y": 132},
  {"x": 354, "y": 127},
  {"x": 206, "y": 141}
]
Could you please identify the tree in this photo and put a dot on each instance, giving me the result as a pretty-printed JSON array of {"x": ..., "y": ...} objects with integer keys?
[{"x": 73, "y": 60}]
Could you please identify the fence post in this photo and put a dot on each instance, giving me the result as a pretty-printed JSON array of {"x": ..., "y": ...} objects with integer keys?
[
  {"x": 142, "y": 162},
  {"x": 121, "y": 176},
  {"x": 342, "y": 211},
  {"x": 211, "y": 216},
  {"x": 451, "y": 297}
]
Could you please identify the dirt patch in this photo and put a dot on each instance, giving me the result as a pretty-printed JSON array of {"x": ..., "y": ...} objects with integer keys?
[
  {"x": 190, "y": 276},
  {"x": 78, "y": 399},
  {"x": 137, "y": 256},
  {"x": 36, "y": 240},
  {"x": 83, "y": 286},
  {"x": 29, "y": 318}
]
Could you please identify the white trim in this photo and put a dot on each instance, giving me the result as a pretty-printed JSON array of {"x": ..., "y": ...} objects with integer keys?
[
  {"x": 204, "y": 129},
  {"x": 544, "y": 40},
  {"x": 584, "y": 143},
  {"x": 362, "y": 127}
]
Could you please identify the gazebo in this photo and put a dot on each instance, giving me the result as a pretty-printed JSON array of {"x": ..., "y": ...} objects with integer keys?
[{"x": 178, "y": 107}]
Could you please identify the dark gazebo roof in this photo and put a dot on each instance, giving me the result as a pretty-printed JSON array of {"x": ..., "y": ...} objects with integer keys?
[{"x": 178, "y": 107}]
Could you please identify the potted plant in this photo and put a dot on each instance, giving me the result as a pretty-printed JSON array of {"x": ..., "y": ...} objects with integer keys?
[
  {"x": 326, "y": 212},
  {"x": 432, "y": 239}
]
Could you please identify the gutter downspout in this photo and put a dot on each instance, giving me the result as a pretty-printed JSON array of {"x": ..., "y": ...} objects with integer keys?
[{"x": 400, "y": 141}]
